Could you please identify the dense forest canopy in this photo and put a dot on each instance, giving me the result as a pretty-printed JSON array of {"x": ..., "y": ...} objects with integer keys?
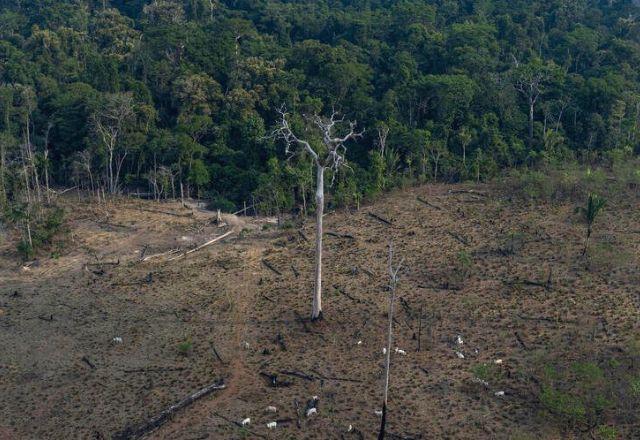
[{"x": 160, "y": 95}]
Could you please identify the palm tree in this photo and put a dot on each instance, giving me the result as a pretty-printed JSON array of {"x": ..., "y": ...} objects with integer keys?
[{"x": 589, "y": 213}]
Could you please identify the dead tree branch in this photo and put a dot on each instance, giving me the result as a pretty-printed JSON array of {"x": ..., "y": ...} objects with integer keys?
[{"x": 133, "y": 432}]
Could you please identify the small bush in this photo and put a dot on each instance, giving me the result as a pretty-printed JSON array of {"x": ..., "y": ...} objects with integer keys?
[
  {"x": 578, "y": 395},
  {"x": 185, "y": 347}
]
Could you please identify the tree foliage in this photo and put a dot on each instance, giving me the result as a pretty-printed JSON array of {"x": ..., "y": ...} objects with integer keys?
[{"x": 465, "y": 89}]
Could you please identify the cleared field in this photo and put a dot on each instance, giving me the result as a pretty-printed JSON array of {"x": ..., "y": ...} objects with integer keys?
[{"x": 505, "y": 277}]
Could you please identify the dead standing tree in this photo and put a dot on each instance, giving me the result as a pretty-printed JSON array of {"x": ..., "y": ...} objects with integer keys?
[
  {"x": 329, "y": 154},
  {"x": 393, "y": 283}
]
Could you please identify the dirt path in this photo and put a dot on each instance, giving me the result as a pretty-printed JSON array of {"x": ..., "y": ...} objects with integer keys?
[{"x": 200, "y": 417}]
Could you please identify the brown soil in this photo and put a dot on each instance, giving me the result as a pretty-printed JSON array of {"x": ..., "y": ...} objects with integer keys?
[{"x": 58, "y": 316}]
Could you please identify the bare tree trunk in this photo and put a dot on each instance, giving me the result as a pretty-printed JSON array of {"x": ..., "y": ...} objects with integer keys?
[
  {"x": 317, "y": 292},
  {"x": 3, "y": 184},
  {"x": 27, "y": 185},
  {"x": 531, "y": 114},
  {"x": 46, "y": 161},
  {"x": 464, "y": 156},
  {"x": 46, "y": 175},
  {"x": 393, "y": 282},
  {"x": 28, "y": 224},
  {"x": 111, "y": 186}
]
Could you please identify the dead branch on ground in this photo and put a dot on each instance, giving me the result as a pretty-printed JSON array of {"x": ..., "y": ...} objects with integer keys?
[
  {"x": 381, "y": 219},
  {"x": 421, "y": 200},
  {"x": 210, "y": 242},
  {"x": 270, "y": 266},
  {"x": 133, "y": 432}
]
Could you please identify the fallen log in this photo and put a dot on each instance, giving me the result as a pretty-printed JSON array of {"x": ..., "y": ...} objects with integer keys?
[
  {"x": 468, "y": 191},
  {"x": 272, "y": 380},
  {"x": 218, "y": 356},
  {"x": 104, "y": 263},
  {"x": 344, "y": 292},
  {"x": 520, "y": 341},
  {"x": 210, "y": 242},
  {"x": 175, "y": 214},
  {"x": 161, "y": 254},
  {"x": 304, "y": 237},
  {"x": 421, "y": 200},
  {"x": 381, "y": 219},
  {"x": 154, "y": 369},
  {"x": 87, "y": 361},
  {"x": 133, "y": 432},
  {"x": 270, "y": 266},
  {"x": 367, "y": 271},
  {"x": 298, "y": 374},
  {"x": 459, "y": 238},
  {"x": 338, "y": 235}
]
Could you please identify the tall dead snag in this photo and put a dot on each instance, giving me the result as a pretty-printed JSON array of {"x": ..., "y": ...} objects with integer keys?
[
  {"x": 328, "y": 154},
  {"x": 393, "y": 283}
]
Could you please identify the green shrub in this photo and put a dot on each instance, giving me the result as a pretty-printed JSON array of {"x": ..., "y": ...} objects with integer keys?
[
  {"x": 605, "y": 432},
  {"x": 577, "y": 394},
  {"x": 184, "y": 348}
]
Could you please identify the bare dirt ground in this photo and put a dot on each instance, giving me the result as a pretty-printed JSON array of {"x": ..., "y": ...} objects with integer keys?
[{"x": 476, "y": 265}]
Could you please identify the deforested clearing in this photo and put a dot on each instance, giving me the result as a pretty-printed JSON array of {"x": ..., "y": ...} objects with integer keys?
[{"x": 502, "y": 329}]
